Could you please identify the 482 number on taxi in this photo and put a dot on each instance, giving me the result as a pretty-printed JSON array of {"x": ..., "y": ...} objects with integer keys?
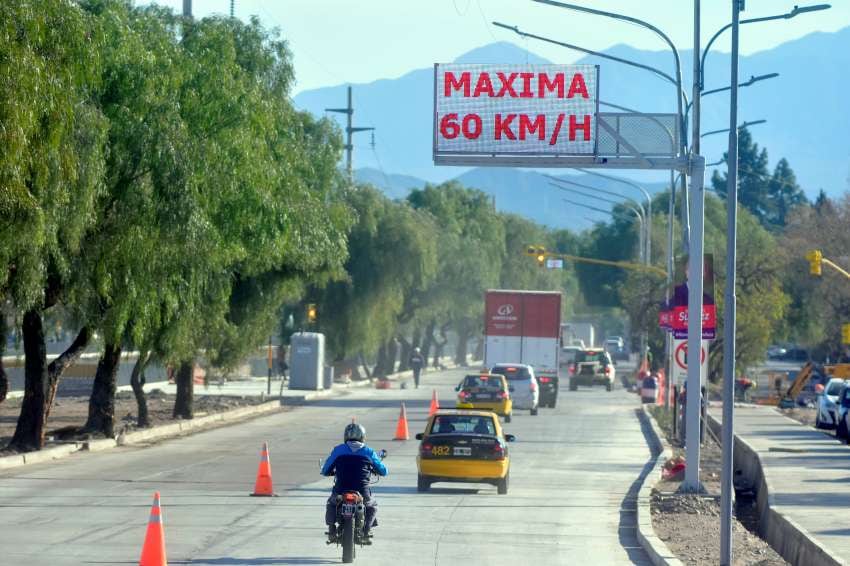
[{"x": 440, "y": 451}]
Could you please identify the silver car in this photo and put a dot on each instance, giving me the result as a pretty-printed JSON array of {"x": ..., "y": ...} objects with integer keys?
[
  {"x": 827, "y": 417},
  {"x": 525, "y": 392}
]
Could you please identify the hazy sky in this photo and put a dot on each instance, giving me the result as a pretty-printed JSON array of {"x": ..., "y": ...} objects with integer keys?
[{"x": 356, "y": 41}]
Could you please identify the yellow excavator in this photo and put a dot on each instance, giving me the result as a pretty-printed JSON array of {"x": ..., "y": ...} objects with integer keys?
[{"x": 788, "y": 400}]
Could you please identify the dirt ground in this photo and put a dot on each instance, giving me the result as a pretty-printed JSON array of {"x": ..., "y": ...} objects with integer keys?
[
  {"x": 690, "y": 524},
  {"x": 70, "y": 413}
]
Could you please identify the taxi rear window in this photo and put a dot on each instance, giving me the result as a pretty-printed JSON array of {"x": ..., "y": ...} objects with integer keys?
[
  {"x": 482, "y": 382},
  {"x": 472, "y": 424},
  {"x": 512, "y": 372}
]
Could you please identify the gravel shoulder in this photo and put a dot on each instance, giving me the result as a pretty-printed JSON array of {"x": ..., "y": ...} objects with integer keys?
[{"x": 690, "y": 524}]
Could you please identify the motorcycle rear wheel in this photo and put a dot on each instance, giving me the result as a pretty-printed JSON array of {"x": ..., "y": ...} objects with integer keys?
[{"x": 348, "y": 551}]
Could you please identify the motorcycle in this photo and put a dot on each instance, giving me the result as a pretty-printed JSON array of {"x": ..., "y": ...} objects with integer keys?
[{"x": 351, "y": 518}]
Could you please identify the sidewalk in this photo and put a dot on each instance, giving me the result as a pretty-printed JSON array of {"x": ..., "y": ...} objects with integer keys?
[{"x": 807, "y": 476}]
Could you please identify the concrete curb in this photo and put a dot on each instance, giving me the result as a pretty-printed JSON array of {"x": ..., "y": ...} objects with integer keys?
[
  {"x": 659, "y": 553},
  {"x": 793, "y": 542}
]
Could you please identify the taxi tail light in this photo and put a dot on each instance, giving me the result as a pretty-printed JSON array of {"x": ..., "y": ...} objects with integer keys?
[
  {"x": 545, "y": 379},
  {"x": 498, "y": 451},
  {"x": 502, "y": 394},
  {"x": 426, "y": 448}
]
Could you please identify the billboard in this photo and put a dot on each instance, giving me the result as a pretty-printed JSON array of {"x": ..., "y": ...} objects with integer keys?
[
  {"x": 534, "y": 110},
  {"x": 679, "y": 322}
]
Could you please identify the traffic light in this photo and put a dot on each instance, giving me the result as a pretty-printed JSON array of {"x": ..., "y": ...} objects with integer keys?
[
  {"x": 815, "y": 257},
  {"x": 845, "y": 333},
  {"x": 538, "y": 253},
  {"x": 312, "y": 313}
]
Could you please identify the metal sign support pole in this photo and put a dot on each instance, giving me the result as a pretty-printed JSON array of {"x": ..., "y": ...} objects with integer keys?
[
  {"x": 727, "y": 464},
  {"x": 695, "y": 290}
]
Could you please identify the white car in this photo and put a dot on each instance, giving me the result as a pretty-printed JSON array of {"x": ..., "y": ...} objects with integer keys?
[
  {"x": 524, "y": 390},
  {"x": 592, "y": 366},
  {"x": 827, "y": 416}
]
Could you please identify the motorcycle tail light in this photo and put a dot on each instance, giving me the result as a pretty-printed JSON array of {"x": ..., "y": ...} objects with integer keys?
[
  {"x": 463, "y": 394},
  {"x": 350, "y": 497}
]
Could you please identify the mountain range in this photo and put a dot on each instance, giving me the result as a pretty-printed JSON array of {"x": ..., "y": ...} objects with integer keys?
[{"x": 805, "y": 108}]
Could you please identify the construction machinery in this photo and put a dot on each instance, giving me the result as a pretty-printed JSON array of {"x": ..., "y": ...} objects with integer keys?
[{"x": 788, "y": 400}]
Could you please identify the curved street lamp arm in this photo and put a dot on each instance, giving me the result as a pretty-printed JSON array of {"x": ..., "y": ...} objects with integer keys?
[
  {"x": 596, "y": 189},
  {"x": 516, "y": 30},
  {"x": 597, "y": 197},
  {"x": 681, "y": 94},
  {"x": 620, "y": 180},
  {"x": 609, "y": 212},
  {"x": 787, "y": 16}
]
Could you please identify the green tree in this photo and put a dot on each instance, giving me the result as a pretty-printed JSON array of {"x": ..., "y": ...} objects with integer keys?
[
  {"x": 53, "y": 139},
  {"x": 784, "y": 192}
]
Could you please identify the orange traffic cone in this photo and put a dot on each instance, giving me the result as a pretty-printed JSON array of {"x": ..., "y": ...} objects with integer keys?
[
  {"x": 434, "y": 404},
  {"x": 153, "y": 551},
  {"x": 401, "y": 432},
  {"x": 263, "y": 486}
]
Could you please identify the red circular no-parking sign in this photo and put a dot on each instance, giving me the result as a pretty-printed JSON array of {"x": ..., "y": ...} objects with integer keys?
[{"x": 681, "y": 355}]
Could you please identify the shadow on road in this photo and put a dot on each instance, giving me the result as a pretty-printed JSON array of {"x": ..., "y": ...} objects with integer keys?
[
  {"x": 628, "y": 506},
  {"x": 260, "y": 560}
]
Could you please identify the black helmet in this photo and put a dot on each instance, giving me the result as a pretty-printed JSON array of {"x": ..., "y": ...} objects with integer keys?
[{"x": 356, "y": 432}]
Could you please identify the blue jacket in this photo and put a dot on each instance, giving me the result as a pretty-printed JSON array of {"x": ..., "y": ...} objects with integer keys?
[{"x": 352, "y": 462}]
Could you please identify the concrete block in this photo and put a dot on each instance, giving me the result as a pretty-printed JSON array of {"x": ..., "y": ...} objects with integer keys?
[
  {"x": 52, "y": 453},
  {"x": 100, "y": 444}
]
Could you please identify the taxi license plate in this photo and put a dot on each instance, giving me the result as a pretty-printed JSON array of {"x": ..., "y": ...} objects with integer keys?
[{"x": 462, "y": 451}]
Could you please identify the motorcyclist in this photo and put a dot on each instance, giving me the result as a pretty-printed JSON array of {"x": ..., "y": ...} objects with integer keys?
[{"x": 352, "y": 462}]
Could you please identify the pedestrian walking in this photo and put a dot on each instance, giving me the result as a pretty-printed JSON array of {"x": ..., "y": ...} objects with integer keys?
[{"x": 416, "y": 362}]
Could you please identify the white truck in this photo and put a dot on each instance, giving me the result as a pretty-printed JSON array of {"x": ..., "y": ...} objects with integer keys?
[{"x": 522, "y": 327}]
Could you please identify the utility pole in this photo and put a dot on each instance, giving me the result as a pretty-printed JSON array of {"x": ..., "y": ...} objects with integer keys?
[
  {"x": 349, "y": 130},
  {"x": 187, "y": 8},
  {"x": 693, "y": 410},
  {"x": 232, "y": 8},
  {"x": 727, "y": 433}
]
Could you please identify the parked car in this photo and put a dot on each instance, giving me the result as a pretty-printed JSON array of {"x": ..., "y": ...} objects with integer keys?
[
  {"x": 795, "y": 354},
  {"x": 592, "y": 367},
  {"x": 842, "y": 430},
  {"x": 775, "y": 352},
  {"x": 524, "y": 389},
  {"x": 827, "y": 415},
  {"x": 615, "y": 341}
]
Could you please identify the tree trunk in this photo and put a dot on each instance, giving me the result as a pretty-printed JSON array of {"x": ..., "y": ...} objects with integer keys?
[
  {"x": 404, "y": 358},
  {"x": 102, "y": 401},
  {"x": 58, "y": 366},
  {"x": 392, "y": 354},
  {"x": 4, "y": 379},
  {"x": 479, "y": 350},
  {"x": 362, "y": 359},
  {"x": 428, "y": 340},
  {"x": 462, "y": 342},
  {"x": 137, "y": 382},
  {"x": 441, "y": 344},
  {"x": 184, "y": 404},
  {"x": 381, "y": 362},
  {"x": 29, "y": 432}
]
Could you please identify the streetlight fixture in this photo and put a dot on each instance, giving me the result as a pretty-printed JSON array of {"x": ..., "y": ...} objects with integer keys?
[
  {"x": 796, "y": 11},
  {"x": 743, "y": 125},
  {"x": 635, "y": 211}
]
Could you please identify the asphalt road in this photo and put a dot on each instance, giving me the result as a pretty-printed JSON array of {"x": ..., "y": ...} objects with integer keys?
[{"x": 571, "y": 501}]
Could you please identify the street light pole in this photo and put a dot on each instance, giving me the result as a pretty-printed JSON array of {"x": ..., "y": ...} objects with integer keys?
[{"x": 730, "y": 298}]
